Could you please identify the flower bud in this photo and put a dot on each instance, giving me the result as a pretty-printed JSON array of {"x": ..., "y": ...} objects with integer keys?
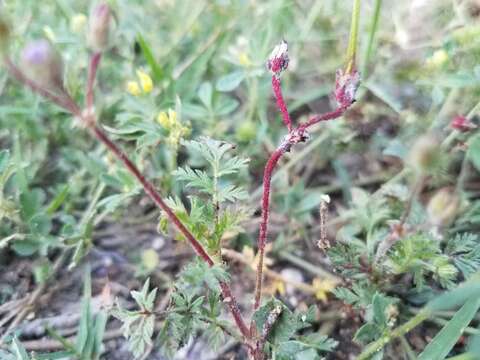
[
  {"x": 99, "y": 27},
  {"x": 346, "y": 85},
  {"x": 443, "y": 207},
  {"x": 278, "y": 59},
  {"x": 5, "y": 33},
  {"x": 43, "y": 64},
  {"x": 425, "y": 154}
]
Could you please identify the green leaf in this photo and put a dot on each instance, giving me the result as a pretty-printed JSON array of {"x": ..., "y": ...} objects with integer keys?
[
  {"x": 473, "y": 151},
  {"x": 150, "y": 58},
  {"x": 205, "y": 94},
  {"x": 230, "y": 82},
  {"x": 58, "y": 200},
  {"x": 19, "y": 350},
  {"x": 195, "y": 178},
  {"x": 445, "y": 340},
  {"x": 4, "y": 160}
]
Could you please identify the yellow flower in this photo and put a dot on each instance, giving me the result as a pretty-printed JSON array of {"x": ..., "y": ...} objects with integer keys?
[
  {"x": 145, "y": 81},
  {"x": 169, "y": 121},
  {"x": 277, "y": 286},
  {"x": 438, "y": 59},
  {"x": 322, "y": 287},
  {"x": 244, "y": 60},
  {"x": 163, "y": 120},
  {"x": 77, "y": 23},
  {"x": 133, "y": 88},
  {"x": 252, "y": 259}
]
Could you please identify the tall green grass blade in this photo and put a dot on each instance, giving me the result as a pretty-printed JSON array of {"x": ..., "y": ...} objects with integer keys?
[
  {"x": 147, "y": 52},
  {"x": 445, "y": 340},
  {"x": 352, "y": 42},
  {"x": 371, "y": 36}
]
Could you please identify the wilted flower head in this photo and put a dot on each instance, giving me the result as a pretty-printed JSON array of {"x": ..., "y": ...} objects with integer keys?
[
  {"x": 43, "y": 64},
  {"x": 461, "y": 123},
  {"x": 278, "y": 59},
  {"x": 346, "y": 85},
  {"x": 425, "y": 154},
  {"x": 99, "y": 27}
]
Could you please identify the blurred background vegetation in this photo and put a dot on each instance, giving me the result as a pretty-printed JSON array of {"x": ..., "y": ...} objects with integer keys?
[{"x": 184, "y": 69}]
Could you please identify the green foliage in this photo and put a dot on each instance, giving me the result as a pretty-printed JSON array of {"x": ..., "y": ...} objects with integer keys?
[
  {"x": 420, "y": 255},
  {"x": 210, "y": 220},
  {"x": 191, "y": 311},
  {"x": 283, "y": 338},
  {"x": 213, "y": 152},
  {"x": 138, "y": 325},
  {"x": 464, "y": 251},
  {"x": 380, "y": 316}
]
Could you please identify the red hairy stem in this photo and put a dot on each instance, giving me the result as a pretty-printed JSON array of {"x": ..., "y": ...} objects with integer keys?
[
  {"x": 324, "y": 117},
  {"x": 66, "y": 102},
  {"x": 262, "y": 237},
  {"x": 156, "y": 197},
  {"x": 277, "y": 90},
  {"x": 63, "y": 100},
  {"x": 92, "y": 74}
]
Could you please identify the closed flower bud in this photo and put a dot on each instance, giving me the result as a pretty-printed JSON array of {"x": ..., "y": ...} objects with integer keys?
[
  {"x": 278, "y": 59},
  {"x": 443, "y": 207},
  {"x": 425, "y": 154},
  {"x": 346, "y": 86},
  {"x": 99, "y": 27},
  {"x": 5, "y": 33},
  {"x": 43, "y": 64}
]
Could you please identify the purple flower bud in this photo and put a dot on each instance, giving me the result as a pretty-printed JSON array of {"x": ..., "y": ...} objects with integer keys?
[
  {"x": 99, "y": 27},
  {"x": 346, "y": 85},
  {"x": 278, "y": 59},
  {"x": 42, "y": 63}
]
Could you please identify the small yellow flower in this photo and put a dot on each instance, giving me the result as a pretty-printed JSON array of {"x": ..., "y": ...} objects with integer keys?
[
  {"x": 170, "y": 121},
  {"x": 322, "y": 287},
  {"x": 247, "y": 251},
  {"x": 163, "y": 120},
  {"x": 276, "y": 287},
  {"x": 244, "y": 59},
  {"x": 438, "y": 59},
  {"x": 77, "y": 23},
  {"x": 145, "y": 81},
  {"x": 133, "y": 88}
]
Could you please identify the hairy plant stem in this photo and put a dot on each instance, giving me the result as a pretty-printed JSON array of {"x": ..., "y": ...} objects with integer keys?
[
  {"x": 294, "y": 136},
  {"x": 92, "y": 74},
  {"x": 89, "y": 121}
]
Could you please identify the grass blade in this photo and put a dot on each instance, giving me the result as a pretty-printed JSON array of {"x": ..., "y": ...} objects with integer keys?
[{"x": 445, "y": 340}]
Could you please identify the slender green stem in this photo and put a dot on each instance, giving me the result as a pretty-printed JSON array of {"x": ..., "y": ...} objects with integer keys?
[
  {"x": 352, "y": 42},
  {"x": 399, "y": 331},
  {"x": 371, "y": 36}
]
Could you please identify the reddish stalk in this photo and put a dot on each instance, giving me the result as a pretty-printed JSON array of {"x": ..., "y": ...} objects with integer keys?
[
  {"x": 92, "y": 75},
  {"x": 88, "y": 118},
  {"x": 262, "y": 237},
  {"x": 63, "y": 100},
  {"x": 156, "y": 197},
  {"x": 277, "y": 90},
  {"x": 345, "y": 92}
]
